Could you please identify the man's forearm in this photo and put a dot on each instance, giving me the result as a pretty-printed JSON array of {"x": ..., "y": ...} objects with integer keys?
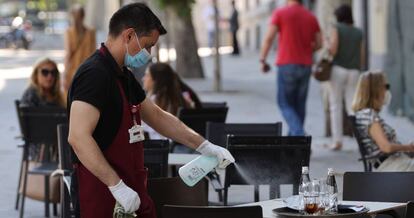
[
  {"x": 265, "y": 50},
  {"x": 92, "y": 158}
]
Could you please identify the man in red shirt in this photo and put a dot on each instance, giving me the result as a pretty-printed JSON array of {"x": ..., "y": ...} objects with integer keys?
[{"x": 299, "y": 37}]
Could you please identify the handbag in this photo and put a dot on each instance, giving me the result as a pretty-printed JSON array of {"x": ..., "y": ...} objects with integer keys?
[{"x": 322, "y": 71}]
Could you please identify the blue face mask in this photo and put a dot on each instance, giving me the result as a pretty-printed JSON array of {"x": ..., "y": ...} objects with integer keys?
[{"x": 138, "y": 60}]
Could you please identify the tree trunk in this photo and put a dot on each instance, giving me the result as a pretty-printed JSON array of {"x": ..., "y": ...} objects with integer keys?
[{"x": 188, "y": 63}]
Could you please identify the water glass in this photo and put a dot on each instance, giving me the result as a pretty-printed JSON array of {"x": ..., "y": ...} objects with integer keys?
[
  {"x": 324, "y": 200},
  {"x": 311, "y": 197}
]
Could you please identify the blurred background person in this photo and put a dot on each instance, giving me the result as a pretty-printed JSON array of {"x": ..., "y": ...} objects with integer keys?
[
  {"x": 208, "y": 14},
  {"x": 380, "y": 139},
  {"x": 44, "y": 91},
  {"x": 299, "y": 37},
  {"x": 163, "y": 87},
  {"x": 80, "y": 43},
  {"x": 346, "y": 48},
  {"x": 44, "y": 88},
  {"x": 234, "y": 27}
]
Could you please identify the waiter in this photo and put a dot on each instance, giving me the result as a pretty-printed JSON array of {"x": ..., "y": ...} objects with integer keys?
[{"x": 106, "y": 105}]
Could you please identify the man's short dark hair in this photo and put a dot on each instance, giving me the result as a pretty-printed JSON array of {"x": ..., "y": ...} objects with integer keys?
[
  {"x": 137, "y": 16},
  {"x": 344, "y": 14}
]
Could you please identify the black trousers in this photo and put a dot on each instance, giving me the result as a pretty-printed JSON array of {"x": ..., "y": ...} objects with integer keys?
[{"x": 236, "y": 50}]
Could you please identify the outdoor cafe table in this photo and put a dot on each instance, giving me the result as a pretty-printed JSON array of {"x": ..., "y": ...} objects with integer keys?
[{"x": 374, "y": 207}]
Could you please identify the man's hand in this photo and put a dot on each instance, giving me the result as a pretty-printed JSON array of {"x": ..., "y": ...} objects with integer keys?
[
  {"x": 223, "y": 155},
  {"x": 264, "y": 66},
  {"x": 126, "y": 197}
]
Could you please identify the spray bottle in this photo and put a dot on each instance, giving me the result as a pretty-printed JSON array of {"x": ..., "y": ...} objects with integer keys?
[{"x": 196, "y": 169}]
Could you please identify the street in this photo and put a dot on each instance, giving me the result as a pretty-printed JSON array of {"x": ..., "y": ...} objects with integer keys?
[{"x": 250, "y": 96}]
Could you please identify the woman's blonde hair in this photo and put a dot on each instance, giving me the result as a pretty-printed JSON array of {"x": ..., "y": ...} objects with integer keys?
[
  {"x": 368, "y": 91},
  {"x": 55, "y": 92}
]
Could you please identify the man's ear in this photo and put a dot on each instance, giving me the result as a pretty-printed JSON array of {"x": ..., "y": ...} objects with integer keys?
[{"x": 127, "y": 35}]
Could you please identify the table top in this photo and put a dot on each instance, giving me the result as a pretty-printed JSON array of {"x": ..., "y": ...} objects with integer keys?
[
  {"x": 374, "y": 207},
  {"x": 180, "y": 159}
]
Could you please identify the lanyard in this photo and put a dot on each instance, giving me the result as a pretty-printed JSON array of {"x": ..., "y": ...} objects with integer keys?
[{"x": 134, "y": 111}]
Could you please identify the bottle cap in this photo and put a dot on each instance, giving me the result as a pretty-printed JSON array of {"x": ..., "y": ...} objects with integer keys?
[
  {"x": 330, "y": 171},
  {"x": 305, "y": 169}
]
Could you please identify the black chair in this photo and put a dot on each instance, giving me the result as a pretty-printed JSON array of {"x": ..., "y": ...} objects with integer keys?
[
  {"x": 272, "y": 160},
  {"x": 173, "y": 191},
  {"x": 38, "y": 125},
  {"x": 217, "y": 134},
  {"x": 379, "y": 186},
  {"x": 156, "y": 157},
  {"x": 68, "y": 192},
  {"x": 365, "y": 155},
  {"x": 173, "y": 211},
  {"x": 213, "y": 104},
  {"x": 409, "y": 212},
  {"x": 17, "y": 105},
  {"x": 197, "y": 119}
]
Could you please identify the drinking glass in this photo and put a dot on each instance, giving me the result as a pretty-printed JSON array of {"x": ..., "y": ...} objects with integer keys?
[
  {"x": 311, "y": 197},
  {"x": 323, "y": 196}
]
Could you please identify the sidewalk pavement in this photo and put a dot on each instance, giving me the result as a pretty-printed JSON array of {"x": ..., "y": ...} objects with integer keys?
[{"x": 249, "y": 94}]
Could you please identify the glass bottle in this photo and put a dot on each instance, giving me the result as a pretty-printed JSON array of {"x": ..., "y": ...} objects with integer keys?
[
  {"x": 332, "y": 191},
  {"x": 303, "y": 184}
]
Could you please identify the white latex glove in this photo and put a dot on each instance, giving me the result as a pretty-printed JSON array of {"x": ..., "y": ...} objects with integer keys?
[
  {"x": 223, "y": 155},
  {"x": 126, "y": 197}
]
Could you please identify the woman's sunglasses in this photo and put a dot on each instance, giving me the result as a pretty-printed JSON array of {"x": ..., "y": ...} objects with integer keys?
[
  {"x": 46, "y": 72},
  {"x": 387, "y": 86}
]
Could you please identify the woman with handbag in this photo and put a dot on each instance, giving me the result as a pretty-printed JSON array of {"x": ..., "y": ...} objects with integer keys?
[{"x": 346, "y": 46}]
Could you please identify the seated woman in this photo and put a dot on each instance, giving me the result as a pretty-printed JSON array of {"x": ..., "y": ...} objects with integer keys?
[
  {"x": 44, "y": 91},
  {"x": 44, "y": 88},
  {"x": 163, "y": 86},
  {"x": 379, "y": 138}
]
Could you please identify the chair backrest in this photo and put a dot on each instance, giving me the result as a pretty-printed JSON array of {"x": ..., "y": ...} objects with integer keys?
[
  {"x": 39, "y": 123},
  {"x": 173, "y": 191},
  {"x": 378, "y": 186},
  {"x": 198, "y": 118},
  {"x": 64, "y": 149},
  {"x": 363, "y": 152},
  {"x": 156, "y": 157},
  {"x": 68, "y": 197},
  {"x": 217, "y": 132},
  {"x": 174, "y": 211},
  {"x": 17, "y": 106},
  {"x": 267, "y": 159},
  {"x": 213, "y": 104},
  {"x": 409, "y": 212}
]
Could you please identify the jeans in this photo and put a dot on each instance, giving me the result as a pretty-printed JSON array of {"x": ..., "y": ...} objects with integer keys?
[{"x": 292, "y": 91}]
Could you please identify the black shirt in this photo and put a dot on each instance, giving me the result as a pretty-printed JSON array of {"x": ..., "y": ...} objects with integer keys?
[
  {"x": 32, "y": 98},
  {"x": 95, "y": 83}
]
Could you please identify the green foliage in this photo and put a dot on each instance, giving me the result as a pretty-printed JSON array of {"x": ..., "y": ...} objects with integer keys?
[
  {"x": 182, "y": 7},
  {"x": 45, "y": 5}
]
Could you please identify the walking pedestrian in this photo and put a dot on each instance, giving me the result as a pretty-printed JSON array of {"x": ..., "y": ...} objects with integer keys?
[
  {"x": 299, "y": 37},
  {"x": 80, "y": 43},
  {"x": 234, "y": 27},
  {"x": 209, "y": 14},
  {"x": 347, "y": 49}
]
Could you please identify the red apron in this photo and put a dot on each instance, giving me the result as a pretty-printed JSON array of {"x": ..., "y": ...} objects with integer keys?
[{"x": 127, "y": 160}]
